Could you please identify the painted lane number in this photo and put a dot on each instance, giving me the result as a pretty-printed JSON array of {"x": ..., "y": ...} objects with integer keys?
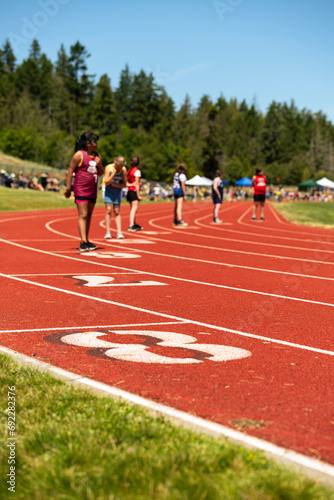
[
  {"x": 99, "y": 281},
  {"x": 141, "y": 353}
]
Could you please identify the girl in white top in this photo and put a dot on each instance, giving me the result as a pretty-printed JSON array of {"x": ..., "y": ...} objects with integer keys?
[{"x": 179, "y": 188}]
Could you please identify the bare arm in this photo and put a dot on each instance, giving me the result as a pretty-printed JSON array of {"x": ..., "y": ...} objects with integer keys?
[
  {"x": 183, "y": 186},
  {"x": 125, "y": 178},
  {"x": 76, "y": 159},
  {"x": 99, "y": 166},
  {"x": 137, "y": 186},
  {"x": 109, "y": 174},
  {"x": 216, "y": 183}
]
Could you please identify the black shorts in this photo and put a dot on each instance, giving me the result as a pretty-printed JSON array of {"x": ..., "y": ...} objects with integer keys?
[
  {"x": 177, "y": 196},
  {"x": 79, "y": 199},
  {"x": 259, "y": 197},
  {"x": 132, "y": 196}
]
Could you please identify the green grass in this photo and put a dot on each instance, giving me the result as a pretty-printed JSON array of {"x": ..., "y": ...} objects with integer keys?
[
  {"x": 18, "y": 200},
  {"x": 13, "y": 200},
  {"x": 316, "y": 214},
  {"x": 72, "y": 444}
]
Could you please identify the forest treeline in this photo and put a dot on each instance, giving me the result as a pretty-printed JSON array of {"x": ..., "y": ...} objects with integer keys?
[{"x": 45, "y": 105}]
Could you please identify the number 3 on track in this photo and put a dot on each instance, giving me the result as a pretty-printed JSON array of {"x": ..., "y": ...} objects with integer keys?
[{"x": 140, "y": 353}]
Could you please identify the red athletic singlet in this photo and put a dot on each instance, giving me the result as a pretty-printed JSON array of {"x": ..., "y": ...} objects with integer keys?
[
  {"x": 131, "y": 178},
  {"x": 260, "y": 184}
]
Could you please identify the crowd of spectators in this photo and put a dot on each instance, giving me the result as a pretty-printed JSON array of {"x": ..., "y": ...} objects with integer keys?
[
  {"x": 313, "y": 195},
  {"x": 154, "y": 191},
  {"x": 44, "y": 182}
]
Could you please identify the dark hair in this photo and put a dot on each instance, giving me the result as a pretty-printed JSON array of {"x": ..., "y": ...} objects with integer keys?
[
  {"x": 219, "y": 173},
  {"x": 81, "y": 143},
  {"x": 181, "y": 167},
  {"x": 258, "y": 170},
  {"x": 135, "y": 160}
]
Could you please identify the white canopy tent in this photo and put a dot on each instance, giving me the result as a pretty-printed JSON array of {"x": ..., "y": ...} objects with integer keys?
[
  {"x": 324, "y": 182},
  {"x": 199, "y": 181}
]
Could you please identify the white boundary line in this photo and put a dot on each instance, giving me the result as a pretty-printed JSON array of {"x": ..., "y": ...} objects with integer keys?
[
  {"x": 92, "y": 327},
  {"x": 259, "y": 243},
  {"x": 219, "y": 227},
  {"x": 170, "y": 316},
  {"x": 311, "y": 465},
  {"x": 122, "y": 244},
  {"x": 166, "y": 277}
]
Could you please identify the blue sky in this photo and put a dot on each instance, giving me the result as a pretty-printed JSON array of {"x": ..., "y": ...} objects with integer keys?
[{"x": 257, "y": 50}]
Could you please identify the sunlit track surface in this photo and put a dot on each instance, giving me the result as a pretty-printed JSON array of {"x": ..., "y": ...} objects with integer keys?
[{"x": 229, "y": 322}]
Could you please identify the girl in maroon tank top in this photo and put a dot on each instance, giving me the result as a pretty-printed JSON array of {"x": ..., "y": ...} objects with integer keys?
[{"x": 86, "y": 165}]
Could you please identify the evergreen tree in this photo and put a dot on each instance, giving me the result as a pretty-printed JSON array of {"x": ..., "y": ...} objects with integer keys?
[
  {"x": 123, "y": 95},
  {"x": 104, "y": 116}
]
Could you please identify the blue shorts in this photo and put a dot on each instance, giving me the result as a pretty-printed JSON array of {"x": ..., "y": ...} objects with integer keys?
[
  {"x": 217, "y": 201},
  {"x": 112, "y": 196},
  {"x": 178, "y": 193}
]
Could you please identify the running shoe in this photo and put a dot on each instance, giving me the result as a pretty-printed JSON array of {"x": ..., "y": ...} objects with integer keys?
[
  {"x": 91, "y": 246},
  {"x": 132, "y": 229},
  {"x": 107, "y": 236},
  {"x": 216, "y": 220},
  {"x": 84, "y": 247},
  {"x": 253, "y": 218},
  {"x": 181, "y": 223},
  {"x": 262, "y": 218},
  {"x": 120, "y": 236},
  {"x": 138, "y": 227}
]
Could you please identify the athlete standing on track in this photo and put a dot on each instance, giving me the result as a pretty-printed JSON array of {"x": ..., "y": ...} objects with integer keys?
[
  {"x": 217, "y": 194},
  {"x": 115, "y": 178},
  {"x": 133, "y": 196},
  {"x": 86, "y": 164},
  {"x": 179, "y": 188},
  {"x": 259, "y": 182}
]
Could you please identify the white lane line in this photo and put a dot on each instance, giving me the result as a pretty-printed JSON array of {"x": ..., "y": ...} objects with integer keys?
[
  {"x": 292, "y": 230},
  {"x": 249, "y": 242},
  {"x": 319, "y": 240},
  {"x": 170, "y": 316},
  {"x": 239, "y": 266},
  {"x": 214, "y": 262},
  {"x": 75, "y": 273},
  {"x": 277, "y": 217},
  {"x": 168, "y": 277},
  {"x": 309, "y": 233},
  {"x": 65, "y": 328},
  {"x": 197, "y": 424}
]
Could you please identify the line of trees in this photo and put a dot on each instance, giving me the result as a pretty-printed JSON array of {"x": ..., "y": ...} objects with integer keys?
[{"x": 45, "y": 105}]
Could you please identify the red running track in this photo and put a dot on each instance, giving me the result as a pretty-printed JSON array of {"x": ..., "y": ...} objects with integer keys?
[{"x": 230, "y": 322}]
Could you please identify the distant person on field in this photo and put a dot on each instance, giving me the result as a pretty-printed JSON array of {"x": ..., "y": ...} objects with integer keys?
[
  {"x": 87, "y": 165},
  {"x": 115, "y": 179},
  {"x": 44, "y": 180},
  {"x": 22, "y": 180},
  {"x": 34, "y": 183},
  {"x": 259, "y": 183},
  {"x": 217, "y": 195},
  {"x": 133, "y": 195},
  {"x": 179, "y": 188},
  {"x": 53, "y": 184},
  {"x": 157, "y": 192}
]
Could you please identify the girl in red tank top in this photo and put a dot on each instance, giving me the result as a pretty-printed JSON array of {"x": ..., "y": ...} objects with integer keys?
[
  {"x": 86, "y": 165},
  {"x": 259, "y": 183}
]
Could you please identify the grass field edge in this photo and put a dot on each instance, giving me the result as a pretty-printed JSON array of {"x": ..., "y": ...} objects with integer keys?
[{"x": 314, "y": 468}]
